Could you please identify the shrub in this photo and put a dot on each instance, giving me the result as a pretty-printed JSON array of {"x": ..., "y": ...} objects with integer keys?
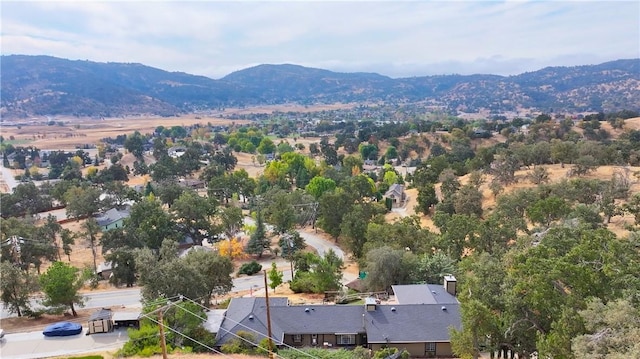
[{"x": 250, "y": 268}]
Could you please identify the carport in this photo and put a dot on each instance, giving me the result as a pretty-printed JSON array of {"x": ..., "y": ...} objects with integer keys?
[{"x": 126, "y": 319}]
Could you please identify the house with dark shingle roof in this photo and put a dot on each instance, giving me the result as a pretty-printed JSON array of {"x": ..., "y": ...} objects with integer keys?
[{"x": 419, "y": 322}]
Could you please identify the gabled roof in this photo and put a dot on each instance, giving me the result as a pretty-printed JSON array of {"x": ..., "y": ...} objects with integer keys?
[
  {"x": 411, "y": 323},
  {"x": 427, "y": 318},
  {"x": 249, "y": 314},
  {"x": 111, "y": 216},
  {"x": 101, "y": 314},
  {"x": 396, "y": 190},
  {"x": 337, "y": 319},
  {"x": 104, "y": 266},
  {"x": 423, "y": 294}
]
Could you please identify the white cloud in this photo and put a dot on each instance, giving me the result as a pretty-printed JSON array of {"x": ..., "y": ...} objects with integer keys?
[{"x": 395, "y": 38}]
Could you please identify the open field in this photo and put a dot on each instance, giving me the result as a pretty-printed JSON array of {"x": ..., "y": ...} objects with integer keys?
[{"x": 79, "y": 132}]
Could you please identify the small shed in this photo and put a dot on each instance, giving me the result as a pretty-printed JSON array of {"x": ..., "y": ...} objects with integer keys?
[{"x": 100, "y": 322}]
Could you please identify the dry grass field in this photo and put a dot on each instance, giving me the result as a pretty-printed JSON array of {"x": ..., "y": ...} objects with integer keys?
[{"x": 78, "y": 132}]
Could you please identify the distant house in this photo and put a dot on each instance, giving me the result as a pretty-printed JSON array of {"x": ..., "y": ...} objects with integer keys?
[
  {"x": 176, "y": 151},
  {"x": 104, "y": 270},
  {"x": 397, "y": 195},
  {"x": 112, "y": 218},
  {"x": 192, "y": 183},
  {"x": 420, "y": 324}
]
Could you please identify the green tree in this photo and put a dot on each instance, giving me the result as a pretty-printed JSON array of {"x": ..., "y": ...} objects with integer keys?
[
  {"x": 291, "y": 243},
  {"x": 315, "y": 274},
  {"x": 405, "y": 234},
  {"x": 332, "y": 208},
  {"x": 432, "y": 268},
  {"x": 386, "y": 266},
  {"x": 547, "y": 210},
  {"x": 354, "y": 225},
  {"x": 82, "y": 201},
  {"x": 468, "y": 201},
  {"x": 458, "y": 231},
  {"x": 427, "y": 198},
  {"x": 215, "y": 273},
  {"x": 134, "y": 144},
  {"x": 539, "y": 175},
  {"x": 199, "y": 274},
  {"x": 279, "y": 211},
  {"x": 68, "y": 239},
  {"x": 194, "y": 213},
  {"x": 168, "y": 191},
  {"x": 91, "y": 231},
  {"x": 275, "y": 277},
  {"x": 16, "y": 286},
  {"x": 123, "y": 267},
  {"x": 613, "y": 331},
  {"x": 60, "y": 285},
  {"x": 258, "y": 242},
  {"x": 633, "y": 207},
  {"x": 231, "y": 220},
  {"x": 319, "y": 185},
  {"x": 368, "y": 151},
  {"x": 391, "y": 153},
  {"x": 477, "y": 320},
  {"x": 150, "y": 224},
  {"x": 266, "y": 146}
]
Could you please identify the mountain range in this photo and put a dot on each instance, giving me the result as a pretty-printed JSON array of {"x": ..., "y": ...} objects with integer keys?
[{"x": 44, "y": 85}]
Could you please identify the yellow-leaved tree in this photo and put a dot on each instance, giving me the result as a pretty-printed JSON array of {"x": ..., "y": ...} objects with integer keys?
[{"x": 232, "y": 248}]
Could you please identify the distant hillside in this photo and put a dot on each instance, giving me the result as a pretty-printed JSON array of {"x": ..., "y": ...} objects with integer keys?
[{"x": 43, "y": 85}]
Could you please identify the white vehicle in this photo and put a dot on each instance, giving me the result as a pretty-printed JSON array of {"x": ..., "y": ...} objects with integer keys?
[{"x": 1, "y": 334}]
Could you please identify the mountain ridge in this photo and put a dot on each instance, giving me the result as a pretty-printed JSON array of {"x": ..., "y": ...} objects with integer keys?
[{"x": 46, "y": 85}]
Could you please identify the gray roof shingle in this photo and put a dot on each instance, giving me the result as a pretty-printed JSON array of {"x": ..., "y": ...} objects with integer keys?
[
  {"x": 423, "y": 294},
  {"x": 311, "y": 319},
  {"x": 111, "y": 216},
  {"x": 411, "y": 323},
  {"x": 424, "y": 314},
  {"x": 249, "y": 314}
]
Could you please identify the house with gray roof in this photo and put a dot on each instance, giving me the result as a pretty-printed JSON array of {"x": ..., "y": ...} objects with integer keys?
[
  {"x": 112, "y": 218},
  {"x": 419, "y": 322},
  {"x": 397, "y": 195}
]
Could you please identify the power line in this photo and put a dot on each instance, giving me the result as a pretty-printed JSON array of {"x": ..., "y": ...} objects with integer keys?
[{"x": 254, "y": 331}]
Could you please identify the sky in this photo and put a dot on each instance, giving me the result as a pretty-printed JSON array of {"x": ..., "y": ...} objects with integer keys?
[{"x": 392, "y": 38}]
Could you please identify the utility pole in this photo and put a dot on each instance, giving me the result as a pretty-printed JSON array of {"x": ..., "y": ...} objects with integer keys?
[
  {"x": 266, "y": 294},
  {"x": 163, "y": 343},
  {"x": 161, "y": 310}
]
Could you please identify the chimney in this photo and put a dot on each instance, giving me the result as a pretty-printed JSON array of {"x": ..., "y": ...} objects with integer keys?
[
  {"x": 450, "y": 284},
  {"x": 370, "y": 304}
]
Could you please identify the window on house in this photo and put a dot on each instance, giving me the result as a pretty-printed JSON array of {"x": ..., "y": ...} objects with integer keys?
[
  {"x": 431, "y": 347},
  {"x": 297, "y": 338},
  {"x": 346, "y": 339}
]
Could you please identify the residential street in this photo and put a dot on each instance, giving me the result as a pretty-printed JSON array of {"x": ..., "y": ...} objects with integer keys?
[
  {"x": 130, "y": 297},
  {"x": 35, "y": 345},
  {"x": 8, "y": 179}
]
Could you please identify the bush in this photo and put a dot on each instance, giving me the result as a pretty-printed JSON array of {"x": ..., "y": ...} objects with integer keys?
[
  {"x": 33, "y": 313},
  {"x": 302, "y": 283},
  {"x": 250, "y": 268}
]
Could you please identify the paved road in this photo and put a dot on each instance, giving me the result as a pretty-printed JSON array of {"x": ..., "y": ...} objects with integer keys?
[
  {"x": 321, "y": 245},
  {"x": 34, "y": 345},
  {"x": 131, "y": 297},
  {"x": 8, "y": 178}
]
